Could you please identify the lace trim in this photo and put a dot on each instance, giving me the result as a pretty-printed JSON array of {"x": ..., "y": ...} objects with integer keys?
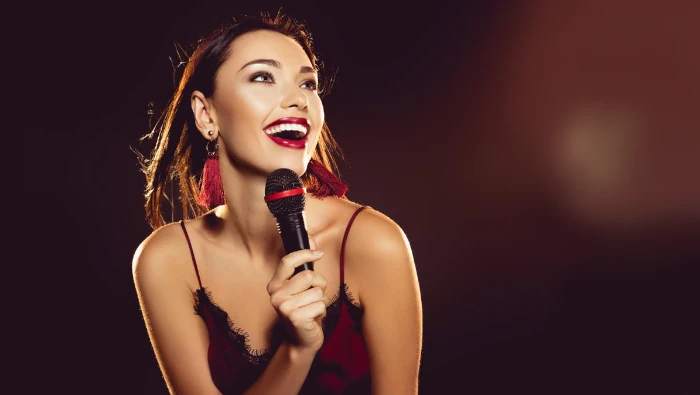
[
  {"x": 238, "y": 336},
  {"x": 240, "y": 339},
  {"x": 347, "y": 296}
]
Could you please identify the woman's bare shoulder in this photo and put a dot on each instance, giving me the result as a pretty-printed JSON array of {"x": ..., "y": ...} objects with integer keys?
[
  {"x": 372, "y": 231},
  {"x": 377, "y": 254},
  {"x": 375, "y": 234},
  {"x": 165, "y": 252}
]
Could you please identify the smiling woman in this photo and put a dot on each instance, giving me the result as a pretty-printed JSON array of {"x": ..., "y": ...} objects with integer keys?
[{"x": 248, "y": 103}]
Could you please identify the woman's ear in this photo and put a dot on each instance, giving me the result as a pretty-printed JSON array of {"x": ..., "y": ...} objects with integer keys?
[{"x": 203, "y": 115}]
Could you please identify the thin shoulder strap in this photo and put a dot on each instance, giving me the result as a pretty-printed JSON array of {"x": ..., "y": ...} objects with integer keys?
[
  {"x": 194, "y": 261},
  {"x": 342, "y": 246}
]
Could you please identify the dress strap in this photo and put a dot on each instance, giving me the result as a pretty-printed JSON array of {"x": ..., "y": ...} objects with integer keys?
[
  {"x": 194, "y": 261},
  {"x": 342, "y": 246}
]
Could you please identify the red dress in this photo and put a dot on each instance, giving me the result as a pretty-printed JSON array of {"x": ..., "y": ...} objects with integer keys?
[{"x": 341, "y": 366}]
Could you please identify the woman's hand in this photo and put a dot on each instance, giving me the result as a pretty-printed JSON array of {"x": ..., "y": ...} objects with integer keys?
[{"x": 300, "y": 300}]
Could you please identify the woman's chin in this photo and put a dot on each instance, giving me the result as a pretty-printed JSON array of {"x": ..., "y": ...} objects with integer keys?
[{"x": 297, "y": 166}]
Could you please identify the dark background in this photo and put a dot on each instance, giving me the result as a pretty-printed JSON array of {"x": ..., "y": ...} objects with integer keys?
[{"x": 542, "y": 158}]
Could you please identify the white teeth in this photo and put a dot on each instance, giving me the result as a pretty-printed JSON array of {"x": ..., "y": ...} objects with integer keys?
[{"x": 287, "y": 126}]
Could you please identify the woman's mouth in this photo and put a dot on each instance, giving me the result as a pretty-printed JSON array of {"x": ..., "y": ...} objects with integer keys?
[{"x": 291, "y": 134}]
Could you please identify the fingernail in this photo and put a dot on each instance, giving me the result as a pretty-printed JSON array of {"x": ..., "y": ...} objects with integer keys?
[{"x": 317, "y": 252}]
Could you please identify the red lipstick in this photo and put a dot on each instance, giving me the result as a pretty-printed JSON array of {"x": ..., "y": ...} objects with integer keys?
[
  {"x": 297, "y": 144},
  {"x": 295, "y": 120},
  {"x": 287, "y": 143}
]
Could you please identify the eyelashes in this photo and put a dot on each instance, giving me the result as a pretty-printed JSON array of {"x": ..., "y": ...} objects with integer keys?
[
  {"x": 313, "y": 85},
  {"x": 258, "y": 77},
  {"x": 267, "y": 78}
]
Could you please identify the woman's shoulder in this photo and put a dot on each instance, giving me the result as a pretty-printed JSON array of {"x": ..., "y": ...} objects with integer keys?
[
  {"x": 162, "y": 251},
  {"x": 376, "y": 232},
  {"x": 377, "y": 252},
  {"x": 371, "y": 228}
]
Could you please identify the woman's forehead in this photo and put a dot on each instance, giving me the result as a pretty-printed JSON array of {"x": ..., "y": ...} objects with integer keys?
[{"x": 264, "y": 44}]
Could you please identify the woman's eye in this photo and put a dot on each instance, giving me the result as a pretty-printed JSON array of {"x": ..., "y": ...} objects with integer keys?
[
  {"x": 311, "y": 84},
  {"x": 262, "y": 77}
]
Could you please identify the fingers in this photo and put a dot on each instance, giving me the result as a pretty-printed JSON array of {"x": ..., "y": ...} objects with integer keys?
[
  {"x": 305, "y": 298},
  {"x": 300, "y": 299},
  {"x": 285, "y": 269},
  {"x": 303, "y": 281},
  {"x": 297, "y": 285},
  {"x": 304, "y": 317}
]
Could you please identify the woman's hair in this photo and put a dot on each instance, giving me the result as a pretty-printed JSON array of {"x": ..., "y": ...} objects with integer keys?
[{"x": 179, "y": 152}]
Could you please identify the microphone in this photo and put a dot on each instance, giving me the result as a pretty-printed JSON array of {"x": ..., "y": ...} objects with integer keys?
[{"x": 286, "y": 199}]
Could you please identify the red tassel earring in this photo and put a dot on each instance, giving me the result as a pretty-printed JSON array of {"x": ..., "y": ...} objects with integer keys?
[
  {"x": 211, "y": 190},
  {"x": 328, "y": 183}
]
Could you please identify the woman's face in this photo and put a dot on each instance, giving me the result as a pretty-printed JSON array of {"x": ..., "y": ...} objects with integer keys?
[{"x": 267, "y": 80}]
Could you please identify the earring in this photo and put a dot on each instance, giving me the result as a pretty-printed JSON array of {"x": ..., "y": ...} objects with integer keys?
[
  {"x": 211, "y": 190},
  {"x": 328, "y": 183}
]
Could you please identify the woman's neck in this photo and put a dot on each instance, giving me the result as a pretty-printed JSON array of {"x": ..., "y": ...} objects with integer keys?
[{"x": 247, "y": 221}]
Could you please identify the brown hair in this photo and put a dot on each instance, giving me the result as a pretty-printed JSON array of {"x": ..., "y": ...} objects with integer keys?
[{"x": 179, "y": 154}]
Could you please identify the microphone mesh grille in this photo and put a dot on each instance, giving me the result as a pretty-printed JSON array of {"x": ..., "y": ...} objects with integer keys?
[{"x": 283, "y": 180}]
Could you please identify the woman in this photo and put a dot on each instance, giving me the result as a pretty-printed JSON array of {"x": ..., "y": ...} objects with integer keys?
[{"x": 248, "y": 103}]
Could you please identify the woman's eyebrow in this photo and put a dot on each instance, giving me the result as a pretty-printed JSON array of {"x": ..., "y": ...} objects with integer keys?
[
  {"x": 277, "y": 65},
  {"x": 269, "y": 62}
]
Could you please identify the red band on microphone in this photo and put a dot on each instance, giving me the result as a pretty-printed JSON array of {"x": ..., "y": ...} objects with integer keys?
[{"x": 284, "y": 194}]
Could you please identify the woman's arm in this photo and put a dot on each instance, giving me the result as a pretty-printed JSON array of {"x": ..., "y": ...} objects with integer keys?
[
  {"x": 381, "y": 258},
  {"x": 179, "y": 337}
]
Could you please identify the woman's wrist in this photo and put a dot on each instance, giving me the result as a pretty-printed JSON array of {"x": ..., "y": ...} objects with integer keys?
[{"x": 299, "y": 354}]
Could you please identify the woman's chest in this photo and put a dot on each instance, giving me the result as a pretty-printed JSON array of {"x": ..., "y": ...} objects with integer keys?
[{"x": 241, "y": 293}]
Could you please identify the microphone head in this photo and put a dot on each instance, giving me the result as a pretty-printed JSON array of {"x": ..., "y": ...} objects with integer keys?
[{"x": 282, "y": 180}]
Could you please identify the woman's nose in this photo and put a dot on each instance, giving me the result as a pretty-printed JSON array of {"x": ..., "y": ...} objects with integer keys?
[{"x": 294, "y": 97}]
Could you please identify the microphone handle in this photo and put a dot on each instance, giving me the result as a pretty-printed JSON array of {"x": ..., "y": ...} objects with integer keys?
[{"x": 292, "y": 228}]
